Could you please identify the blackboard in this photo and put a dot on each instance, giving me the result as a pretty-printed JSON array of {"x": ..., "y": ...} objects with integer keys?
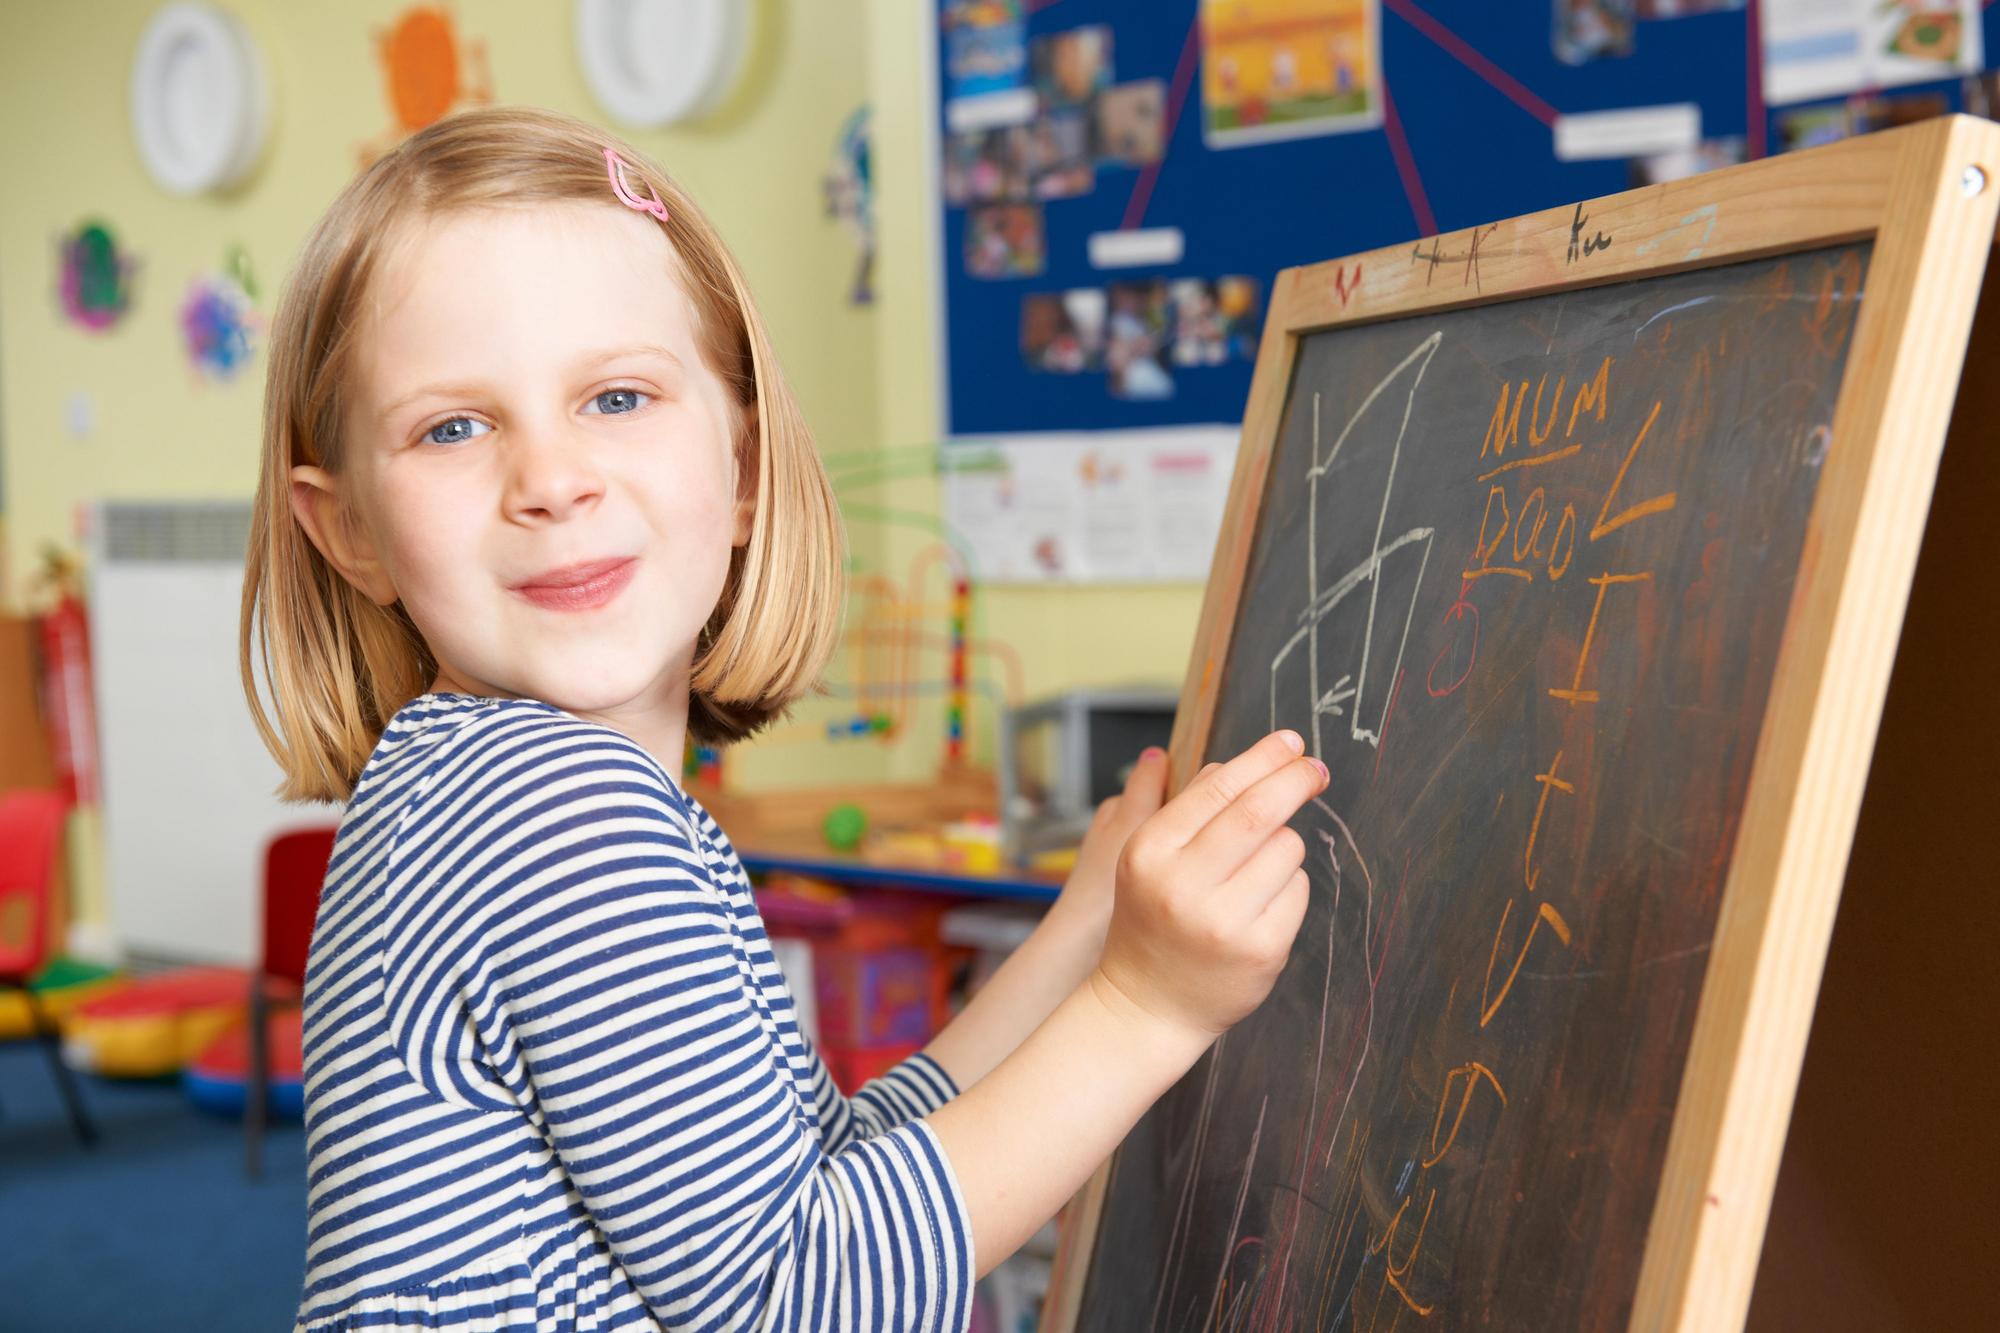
[
  {"x": 1578, "y": 544},
  {"x": 1521, "y": 577},
  {"x": 1521, "y": 581}
]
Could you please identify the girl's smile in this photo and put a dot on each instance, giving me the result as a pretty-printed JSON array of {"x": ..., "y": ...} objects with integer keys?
[{"x": 581, "y": 587}]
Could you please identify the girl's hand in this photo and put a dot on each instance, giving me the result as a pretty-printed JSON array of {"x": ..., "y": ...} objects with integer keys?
[
  {"x": 1085, "y": 902},
  {"x": 1211, "y": 893}
]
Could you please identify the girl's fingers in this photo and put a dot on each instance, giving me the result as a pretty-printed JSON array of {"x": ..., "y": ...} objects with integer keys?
[
  {"x": 1263, "y": 875},
  {"x": 1279, "y": 925},
  {"x": 1230, "y": 839},
  {"x": 1145, "y": 788},
  {"x": 1215, "y": 787}
]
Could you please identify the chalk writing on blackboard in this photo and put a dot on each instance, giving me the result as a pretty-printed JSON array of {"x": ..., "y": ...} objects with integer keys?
[{"x": 1520, "y": 572}]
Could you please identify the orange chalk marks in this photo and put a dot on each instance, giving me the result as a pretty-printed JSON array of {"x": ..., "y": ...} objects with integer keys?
[
  {"x": 1596, "y": 394},
  {"x": 1576, "y": 694},
  {"x": 1486, "y": 547},
  {"x": 1490, "y": 1003},
  {"x": 1549, "y": 782},
  {"x": 1472, "y": 1071},
  {"x": 1533, "y": 460},
  {"x": 1658, "y": 504},
  {"x": 1505, "y": 427},
  {"x": 1393, "y": 1271},
  {"x": 1565, "y": 524},
  {"x": 1537, "y": 433}
]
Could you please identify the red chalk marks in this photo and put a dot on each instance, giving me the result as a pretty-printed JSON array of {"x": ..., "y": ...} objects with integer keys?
[{"x": 1342, "y": 287}]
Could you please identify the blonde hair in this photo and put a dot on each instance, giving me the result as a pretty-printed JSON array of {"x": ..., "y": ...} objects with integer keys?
[{"x": 338, "y": 666}]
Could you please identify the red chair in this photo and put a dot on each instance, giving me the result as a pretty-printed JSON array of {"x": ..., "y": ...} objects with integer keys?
[
  {"x": 31, "y": 825},
  {"x": 294, "y": 869}
]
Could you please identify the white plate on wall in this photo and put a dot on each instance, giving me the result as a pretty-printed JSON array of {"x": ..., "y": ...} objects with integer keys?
[
  {"x": 652, "y": 63},
  {"x": 200, "y": 105}
]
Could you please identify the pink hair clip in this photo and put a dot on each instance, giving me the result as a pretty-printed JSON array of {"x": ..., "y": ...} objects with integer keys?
[{"x": 616, "y": 165}]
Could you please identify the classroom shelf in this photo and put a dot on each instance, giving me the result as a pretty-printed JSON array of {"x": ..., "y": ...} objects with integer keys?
[{"x": 849, "y": 870}]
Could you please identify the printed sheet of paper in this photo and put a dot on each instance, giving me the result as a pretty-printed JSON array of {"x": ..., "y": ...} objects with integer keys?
[
  {"x": 1829, "y": 48},
  {"x": 1139, "y": 507}
]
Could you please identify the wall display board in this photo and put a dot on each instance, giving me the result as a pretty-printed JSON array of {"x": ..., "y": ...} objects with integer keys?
[{"x": 1117, "y": 182}]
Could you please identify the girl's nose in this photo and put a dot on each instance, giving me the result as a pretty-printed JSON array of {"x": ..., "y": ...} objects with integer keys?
[{"x": 550, "y": 476}]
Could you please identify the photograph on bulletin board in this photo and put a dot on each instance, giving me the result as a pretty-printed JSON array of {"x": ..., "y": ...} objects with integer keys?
[{"x": 1287, "y": 69}]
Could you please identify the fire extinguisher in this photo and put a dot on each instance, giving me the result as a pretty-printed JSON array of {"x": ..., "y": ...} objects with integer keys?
[{"x": 67, "y": 702}]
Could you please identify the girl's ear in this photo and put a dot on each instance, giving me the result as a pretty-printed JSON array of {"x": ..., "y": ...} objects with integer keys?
[{"x": 317, "y": 504}]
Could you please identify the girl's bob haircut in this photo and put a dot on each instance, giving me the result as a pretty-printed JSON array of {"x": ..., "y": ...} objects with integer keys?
[{"x": 337, "y": 665}]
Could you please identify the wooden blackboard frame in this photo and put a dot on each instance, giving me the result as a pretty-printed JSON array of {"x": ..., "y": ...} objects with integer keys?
[{"x": 1926, "y": 196}]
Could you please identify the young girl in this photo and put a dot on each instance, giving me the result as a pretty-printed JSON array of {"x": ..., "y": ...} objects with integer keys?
[{"x": 536, "y": 502}]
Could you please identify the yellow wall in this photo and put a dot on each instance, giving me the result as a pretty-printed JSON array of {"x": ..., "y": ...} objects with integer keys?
[{"x": 866, "y": 376}]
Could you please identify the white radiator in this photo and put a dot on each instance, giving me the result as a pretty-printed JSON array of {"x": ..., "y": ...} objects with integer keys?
[{"x": 188, "y": 787}]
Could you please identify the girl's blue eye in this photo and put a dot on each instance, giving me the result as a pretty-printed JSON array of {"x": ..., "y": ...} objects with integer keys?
[
  {"x": 455, "y": 431},
  {"x": 617, "y": 402}
]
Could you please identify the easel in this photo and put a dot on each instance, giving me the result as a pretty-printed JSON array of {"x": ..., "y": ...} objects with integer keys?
[{"x": 1927, "y": 197}]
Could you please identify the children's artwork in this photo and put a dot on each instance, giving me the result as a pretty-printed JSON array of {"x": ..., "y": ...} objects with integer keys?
[
  {"x": 1588, "y": 30},
  {"x": 1131, "y": 122},
  {"x": 218, "y": 320},
  {"x": 93, "y": 278},
  {"x": 987, "y": 166},
  {"x": 1063, "y": 332},
  {"x": 1072, "y": 68},
  {"x": 428, "y": 72},
  {"x": 1288, "y": 69},
  {"x": 1201, "y": 335},
  {"x": 1825, "y": 48},
  {"x": 850, "y": 196},
  {"x": 1004, "y": 241},
  {"x": 1812, "y": 126},
  {"x": 1059, "y": 154},
  {"x": 1707, "y": 155},
  {"x": 1885, "y": 111},
  {"x": 1674, "y": 9},
  {"x": 1240, "y": 299},
  {"x": 1135, "y": 344},
  {"x": 986, "y": 45}
]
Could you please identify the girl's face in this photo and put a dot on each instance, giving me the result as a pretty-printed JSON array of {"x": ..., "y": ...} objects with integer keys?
[{"x": 538, "y": 460}]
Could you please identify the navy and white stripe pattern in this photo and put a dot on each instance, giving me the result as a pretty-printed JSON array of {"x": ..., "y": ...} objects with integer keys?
[{"x": 553, "y": 1078}]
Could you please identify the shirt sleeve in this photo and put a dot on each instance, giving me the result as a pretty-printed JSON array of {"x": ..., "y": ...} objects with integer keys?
[
  {"x": 557, "y": 949},
  {"x": 915, "y": 1088}
]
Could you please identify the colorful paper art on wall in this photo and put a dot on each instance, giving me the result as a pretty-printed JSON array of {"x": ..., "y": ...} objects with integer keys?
[
  {"x": 850, "y": 196},
  {"x": 428, "y": 72},
  {"x": 94, "y": 278},
  {"x": 219, "y": 322},
  {"x": 1287, "y": 69}
]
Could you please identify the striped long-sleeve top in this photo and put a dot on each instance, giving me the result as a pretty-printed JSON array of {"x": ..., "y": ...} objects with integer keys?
[{"x": 553, "y": 1077}]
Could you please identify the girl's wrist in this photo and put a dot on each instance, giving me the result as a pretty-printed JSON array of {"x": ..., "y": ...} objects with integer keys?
[{"x": 1074, "y": 932}]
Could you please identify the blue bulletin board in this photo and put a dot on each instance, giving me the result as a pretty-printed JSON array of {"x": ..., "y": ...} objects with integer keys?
[{"x": 1444, "y": 114}]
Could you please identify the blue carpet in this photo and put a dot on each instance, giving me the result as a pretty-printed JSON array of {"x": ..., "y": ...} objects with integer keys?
[{"x": 157, "y": 1227}]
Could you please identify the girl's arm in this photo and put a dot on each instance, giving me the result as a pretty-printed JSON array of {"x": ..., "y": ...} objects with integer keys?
[
  {"x": 1054, "y": 960},
  {"x": 1210, "y": 896}
]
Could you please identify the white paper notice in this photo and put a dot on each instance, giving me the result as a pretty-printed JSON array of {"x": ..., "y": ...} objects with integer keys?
[
  {"x": 1114, "y": 507},
  {"x": 1829, "y": 48}
]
